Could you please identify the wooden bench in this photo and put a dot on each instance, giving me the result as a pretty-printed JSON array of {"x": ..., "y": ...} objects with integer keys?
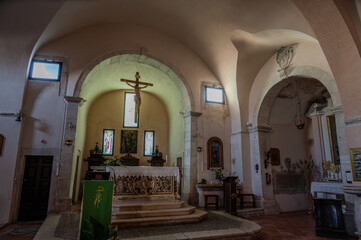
[{"x": 206, "y": 203}]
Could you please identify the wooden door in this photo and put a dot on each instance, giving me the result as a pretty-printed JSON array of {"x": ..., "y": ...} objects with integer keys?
[{"x": 36, "y": 187}]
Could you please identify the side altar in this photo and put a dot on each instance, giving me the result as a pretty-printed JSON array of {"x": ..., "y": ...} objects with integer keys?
[{"x": 145, "y": 180}]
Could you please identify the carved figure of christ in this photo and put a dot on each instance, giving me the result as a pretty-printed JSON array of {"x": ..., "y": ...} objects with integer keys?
[{"x": 137, "y": 85}]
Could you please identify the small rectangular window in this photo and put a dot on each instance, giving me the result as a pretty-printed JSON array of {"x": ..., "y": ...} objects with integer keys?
[
  {"x": 108, "y": 142},
  {"x": 45, "y": 70},
  {"x": 148, "y": 143},
  {"x": 131, "y": 117},
  {"x": 214, "y": 95}
]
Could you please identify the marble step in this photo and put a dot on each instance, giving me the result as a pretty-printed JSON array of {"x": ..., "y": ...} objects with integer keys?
[
  {"x": 138, "y": 205},
  {"x": 196, "y": 216},
  {"x": 153, "y": 213}
]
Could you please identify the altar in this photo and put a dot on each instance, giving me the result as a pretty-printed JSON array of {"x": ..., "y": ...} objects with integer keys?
[{"x": 145, "y": 180}]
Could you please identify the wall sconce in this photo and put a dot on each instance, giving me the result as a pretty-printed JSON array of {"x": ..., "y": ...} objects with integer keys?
[
  {"x": 68, "y": 142},
  {"x": 18, "y": 116},
  {"x": 256, "y": 167},
  {"x": 199, "y": 149},
  {"x": 71, "y": 125},
  {"x": 266, "y": 161}
]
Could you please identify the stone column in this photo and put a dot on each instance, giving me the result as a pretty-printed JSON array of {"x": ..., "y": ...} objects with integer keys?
[
  {"x": 63, "y": 199},
  {"x": 189, "y": 192},
  {"x": 259, "y": 144}
]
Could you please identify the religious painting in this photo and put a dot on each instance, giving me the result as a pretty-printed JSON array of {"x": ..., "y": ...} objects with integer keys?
[
  {"x": 108, "y": 142},
  {"x": 131, "y": 113},
  {"x": 356, "y": 163},
  {"x": 275, "y": 156},
  {"x": 129, "y": 141},
  {"x": 215, "y": 153},
  {"x": 148, "y": 143}
]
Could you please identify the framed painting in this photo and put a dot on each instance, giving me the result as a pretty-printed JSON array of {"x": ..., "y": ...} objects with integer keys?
[
  {"x": 108, "y": 142},
  {"x": 355, "y": 154},
  {"x": 148, "y": 143},
  {"x": 129, "y": 141},
  {"x": 215, "y": 153},
  {"x": 275, "y": 156}
]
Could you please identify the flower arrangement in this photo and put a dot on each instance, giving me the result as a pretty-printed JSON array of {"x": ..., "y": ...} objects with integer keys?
[{"x": 112, "y": 162}]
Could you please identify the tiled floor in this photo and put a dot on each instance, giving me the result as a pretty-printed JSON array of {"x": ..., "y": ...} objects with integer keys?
[
  {"x": 20, "y": 231},
  {"x": 295, "y": 225}
]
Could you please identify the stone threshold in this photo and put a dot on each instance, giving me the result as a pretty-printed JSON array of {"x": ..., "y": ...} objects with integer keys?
[{"x": 247, "y": 230}]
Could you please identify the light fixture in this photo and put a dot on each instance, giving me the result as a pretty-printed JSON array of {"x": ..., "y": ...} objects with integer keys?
[
  {"x": 18, "y": 116},
  {"x": 300, "y": 118}
]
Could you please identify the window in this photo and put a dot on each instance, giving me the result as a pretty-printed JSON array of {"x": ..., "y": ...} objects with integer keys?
[
  {"x": 148, "y": 143},
  {"x": 214, "y": 95},
  {"x": 108, "y": 142},
  {"x": 45, "y": 70},
  {"x": 130, "y": 116}
]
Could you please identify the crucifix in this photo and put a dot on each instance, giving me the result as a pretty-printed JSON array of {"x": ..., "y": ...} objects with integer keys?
[{"x": 137, "y": 85}]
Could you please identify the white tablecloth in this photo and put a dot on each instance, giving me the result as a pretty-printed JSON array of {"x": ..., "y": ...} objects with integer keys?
[{"x": 144, "y": 171}]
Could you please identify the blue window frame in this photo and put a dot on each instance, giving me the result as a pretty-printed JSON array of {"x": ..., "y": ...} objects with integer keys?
[
  {"x": 45, "y": 70},
  {"x": 214, "y": 95}
]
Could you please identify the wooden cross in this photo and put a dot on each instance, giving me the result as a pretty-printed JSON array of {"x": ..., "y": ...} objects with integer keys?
[{"x": 137, "y": 85}]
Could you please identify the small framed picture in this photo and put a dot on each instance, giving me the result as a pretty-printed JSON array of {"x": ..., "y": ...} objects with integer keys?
[
  {"x": 348, "y": 177},
  {"x": 275, "y": 156},
  {"x": 355, "y": 154}
]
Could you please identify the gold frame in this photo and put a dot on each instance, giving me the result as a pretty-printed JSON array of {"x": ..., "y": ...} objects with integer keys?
[
  {"x": 355, "y": 154},
  {"x": 330, "y": 138}
]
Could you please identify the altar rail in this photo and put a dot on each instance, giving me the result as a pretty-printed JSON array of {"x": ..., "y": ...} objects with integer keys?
[{"x": 145, "y": 180}]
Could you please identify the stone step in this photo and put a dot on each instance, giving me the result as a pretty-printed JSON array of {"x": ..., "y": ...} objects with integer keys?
[
  {"x": 196, "y": 216},
  {"x": 250, "y": 212},
  {"x": 139, "y": 205},
  {"x": 153, "y": 213}
]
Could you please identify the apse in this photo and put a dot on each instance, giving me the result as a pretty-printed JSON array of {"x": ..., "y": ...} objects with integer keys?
[{"x": 102, "y": 107}]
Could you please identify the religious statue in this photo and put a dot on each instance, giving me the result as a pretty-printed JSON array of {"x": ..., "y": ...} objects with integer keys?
[{"x": 137, "y": 87}]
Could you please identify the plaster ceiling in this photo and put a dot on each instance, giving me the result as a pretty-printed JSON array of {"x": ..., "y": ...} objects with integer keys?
[{"x": 204, "y": 26}]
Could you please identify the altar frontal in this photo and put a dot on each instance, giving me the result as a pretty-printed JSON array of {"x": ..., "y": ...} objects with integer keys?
[{"x": 145, "y": 180}]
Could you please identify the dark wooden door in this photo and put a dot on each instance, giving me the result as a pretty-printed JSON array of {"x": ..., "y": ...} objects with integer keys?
[{"x": 36, "y": 187}]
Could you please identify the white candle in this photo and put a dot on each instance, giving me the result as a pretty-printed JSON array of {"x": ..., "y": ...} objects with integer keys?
[{"x": 166, "y": 157}]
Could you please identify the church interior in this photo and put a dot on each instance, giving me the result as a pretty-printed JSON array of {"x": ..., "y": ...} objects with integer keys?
[{"x": 179, "y": 100}]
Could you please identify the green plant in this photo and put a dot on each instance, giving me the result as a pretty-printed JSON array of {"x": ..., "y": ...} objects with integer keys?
[
  {"x": 112, "y": 162},
  {"x": 219, "y": 174},
  {"x": 94, "y": 230}
]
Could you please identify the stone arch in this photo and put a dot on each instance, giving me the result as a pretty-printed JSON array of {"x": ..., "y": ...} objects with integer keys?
[
  {"x": 145, "y": 58},
  {"x": 270, "y": 91},
  {"x": 190, "y": 117},
  {"x": 259, "y": 132}
]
